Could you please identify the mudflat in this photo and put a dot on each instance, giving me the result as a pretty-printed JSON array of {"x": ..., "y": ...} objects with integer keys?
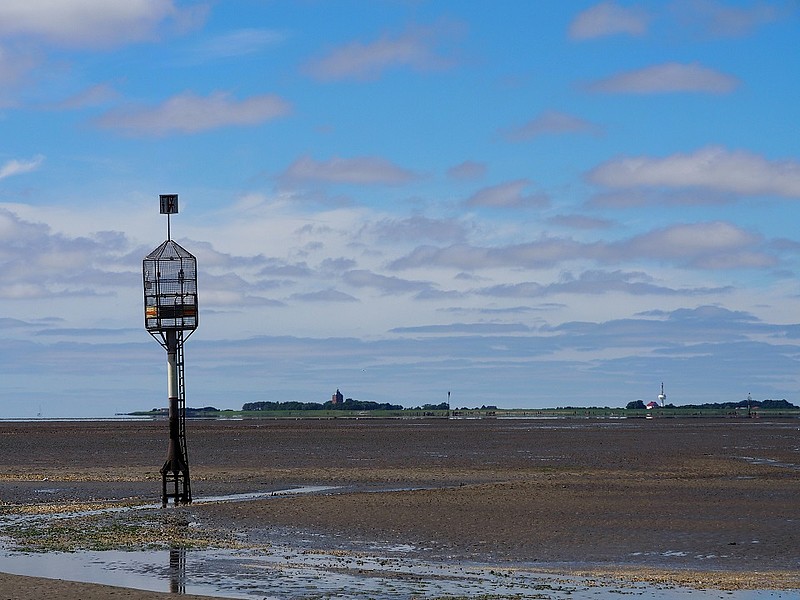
[{"x": 709, "y": 503}]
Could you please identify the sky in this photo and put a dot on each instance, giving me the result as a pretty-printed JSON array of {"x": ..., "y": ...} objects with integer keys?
[{"x": 524, "y": 204}]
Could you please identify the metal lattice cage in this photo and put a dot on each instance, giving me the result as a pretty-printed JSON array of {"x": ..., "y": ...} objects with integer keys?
[{"x": 170, "y": 288}]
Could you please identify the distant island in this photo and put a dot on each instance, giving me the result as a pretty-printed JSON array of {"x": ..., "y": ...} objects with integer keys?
[
  {"x": 341, "y": 407},
  {"x": 348, "y": 404},
  {"x": 779, "y": 404}
]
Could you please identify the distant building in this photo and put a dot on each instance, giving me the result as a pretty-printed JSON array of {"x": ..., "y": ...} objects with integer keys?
[
  {"x": 337, "y": 398},
  {"x": 652, "y": 405}
]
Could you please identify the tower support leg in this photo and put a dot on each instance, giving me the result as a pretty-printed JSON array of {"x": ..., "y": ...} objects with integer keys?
[{"x": 176, "y": 466}]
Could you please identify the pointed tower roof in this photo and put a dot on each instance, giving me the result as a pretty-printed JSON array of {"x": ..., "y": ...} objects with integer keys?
[{"x": 169, "y": 250}]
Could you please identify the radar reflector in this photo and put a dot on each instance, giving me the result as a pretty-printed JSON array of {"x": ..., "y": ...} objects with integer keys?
[{"x": 169, "y": 204}]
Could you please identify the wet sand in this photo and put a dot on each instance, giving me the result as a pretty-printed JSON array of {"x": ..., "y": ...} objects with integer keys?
[
  {"x": 705, "y": 503},
  {"x": 15, "y": 587}
]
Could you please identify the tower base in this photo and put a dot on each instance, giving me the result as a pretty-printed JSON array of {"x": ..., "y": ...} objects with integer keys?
[
  {"x": 175, "y": 485},
  {"x": 175, "y": 481}
]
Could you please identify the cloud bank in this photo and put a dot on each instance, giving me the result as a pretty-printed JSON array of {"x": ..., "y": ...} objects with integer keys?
[
  {"x": 189, "y": 113},
  {"x": 667, "y": 78},
  {"x": 713, "y": 168},
  {"x": 416, "y": 48},
  {"x": 608, "y": 18},
  {"x": 90, "y": 23}
]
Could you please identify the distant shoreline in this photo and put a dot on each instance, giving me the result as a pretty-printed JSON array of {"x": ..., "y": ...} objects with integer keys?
[{"x": 499, "y": 413}]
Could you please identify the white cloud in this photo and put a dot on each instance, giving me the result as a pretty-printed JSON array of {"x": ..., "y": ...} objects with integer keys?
[
  {"x": 96, "y": 95},
  {"x": 634, "y": 283},
  {"x": 242, "y": 42},
  {"x": 721, "y": 20},
  {"x": 706, "y": 18},
  {"x": 15, "y": 64},
  {"x": 188, "y": 113},
  {"x": 40, "y": 263},
  {"x": 466, "y": 170},
  {"x": 627, "y": 198},
  {"x": 87, "y": 23},
  {"x": 234, "y": 44},
  {"x": 17, "y": 167},
  {"x": 365, "y": 170},
  {"x": 608, "y": 18},
  {"x": 715, "y": 245},
  {"x": 667, "y": 78},
  {"x": 417, "y": 228},
  {"x": 549, "y": 122},
  {"x": 329, "y": 295},
  {"x": 713, "y": 168},
  {"x": 544, "y": 253},
  {"x": 508, "y": 195},
  {"x": 580, "y": 222},
  {"x": 712, "y": 246},
  {"x": 360, "y": 278},
  {"x": 415, "y": 48},
  {"x": 471, "y": 329}
]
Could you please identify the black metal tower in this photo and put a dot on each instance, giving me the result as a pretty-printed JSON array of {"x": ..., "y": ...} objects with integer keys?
[{"x": 170, "y": 309}]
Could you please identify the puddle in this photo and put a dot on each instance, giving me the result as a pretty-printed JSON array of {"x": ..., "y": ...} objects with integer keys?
[
  {"x": 307, "y": 489},
  {"x": 770, "y": 462},
  {"x": 88, "y": 512}
]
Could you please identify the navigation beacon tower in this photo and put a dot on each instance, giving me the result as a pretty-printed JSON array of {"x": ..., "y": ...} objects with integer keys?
[
  {"x": 662, "y": 396},
  {"x": 170, "y": 309}
]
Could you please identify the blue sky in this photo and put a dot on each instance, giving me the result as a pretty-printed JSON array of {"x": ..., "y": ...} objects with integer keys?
[{"x": 526, "y": 204}]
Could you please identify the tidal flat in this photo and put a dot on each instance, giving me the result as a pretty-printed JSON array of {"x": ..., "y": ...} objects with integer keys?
[{"x": 431, "y": 508}]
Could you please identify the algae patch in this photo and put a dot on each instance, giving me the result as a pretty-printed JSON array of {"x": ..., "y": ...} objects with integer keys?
[{"x": 62, "y": 528}]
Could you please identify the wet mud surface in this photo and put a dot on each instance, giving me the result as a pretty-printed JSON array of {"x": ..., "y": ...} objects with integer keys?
[{"x": 698, "y": 503}]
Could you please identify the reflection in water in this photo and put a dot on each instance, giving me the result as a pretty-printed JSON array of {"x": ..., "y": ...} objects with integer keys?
[{"x": 177, "y": 570}]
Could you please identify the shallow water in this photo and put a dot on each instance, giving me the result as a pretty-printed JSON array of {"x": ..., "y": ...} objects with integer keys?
[
  {"x": 23, "y": 517},
  {"x": 284, "y": 573},
  {"x": 306, "y": 489},
  {"x": 291, "y": 567}
]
